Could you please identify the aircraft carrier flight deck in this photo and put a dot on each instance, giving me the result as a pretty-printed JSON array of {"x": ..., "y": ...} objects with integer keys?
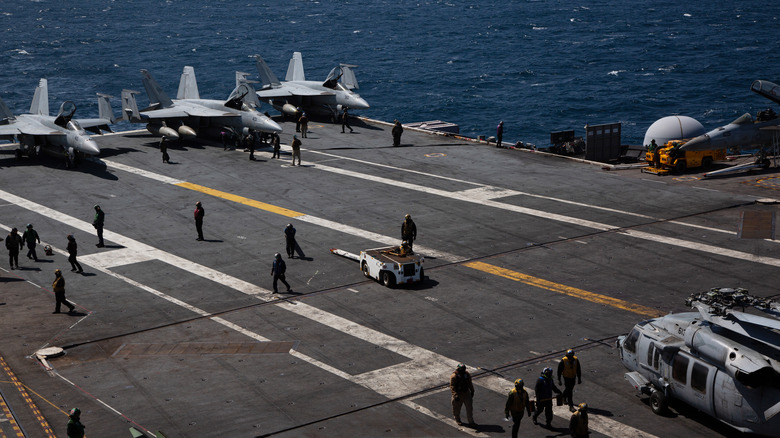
[{"x": 526, "y": 256}]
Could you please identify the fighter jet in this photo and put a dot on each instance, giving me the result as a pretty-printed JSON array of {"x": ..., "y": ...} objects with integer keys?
[
  {"x": 314, "y": 97},
  {"x": 60, "y": 135},
  {"x": 188, "y": 113},
  {"x": 745, "y": 131}
]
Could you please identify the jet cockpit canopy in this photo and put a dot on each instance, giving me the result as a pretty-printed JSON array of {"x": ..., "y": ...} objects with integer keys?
[
  {"x": 344, "y": 73},
  {"x": 67, "y": 109},
  {"x": 767, "y": 89}
]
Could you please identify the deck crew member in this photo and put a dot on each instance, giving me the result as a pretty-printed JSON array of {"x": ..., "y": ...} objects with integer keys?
[
  {"x": 296, "y": 150},
  {"x": 199, "y": 213},
  {"x": 397, "y": 131},
  {"x": 499, "y": 133},
  {"x": 164, "y": 149},
  {"x": 544, "y": 389},
  {"x": 277, "y": 147},
  {"x": 72, "y": 252},
  {"x": 97, "y": 222},
  {"x": 345, "y": 120},
  {"x": 304, "y": 122},
  {"x": 408, "y": 231},
  {"x": 30, "y": 236},
  {"x": 289, "y": 238},
  {"x": 462, "y": 394},
  {"x": 75, "y": 428},
  {"x": 298, "y": 113},
  {"x": 14, "y": 243},
  {"x": 578, "y": 424},
  {"x": 278, "y": 268},
  {"x": 250, "y": 144},
  {"x": 569, "y": 367},
  {"x": 58, "y": 286},
  {"x": 516, "y": 403}
]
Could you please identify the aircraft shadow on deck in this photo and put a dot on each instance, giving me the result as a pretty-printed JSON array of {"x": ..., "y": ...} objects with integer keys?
[{"x": 86, "y": 166}]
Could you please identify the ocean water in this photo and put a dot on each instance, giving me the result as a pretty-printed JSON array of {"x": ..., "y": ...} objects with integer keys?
[{"x": 540, "y": 66}]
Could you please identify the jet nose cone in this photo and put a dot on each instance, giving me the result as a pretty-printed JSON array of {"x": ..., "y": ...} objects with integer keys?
[
  {"x": 700, "y": 143},
  {"x": 268, "y": 125},
  {"x": 90, "y": 147},
  {"x": 359, "y": 103}
]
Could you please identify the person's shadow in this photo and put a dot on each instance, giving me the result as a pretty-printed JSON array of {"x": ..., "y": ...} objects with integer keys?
[{"x": 489, "y": 428}]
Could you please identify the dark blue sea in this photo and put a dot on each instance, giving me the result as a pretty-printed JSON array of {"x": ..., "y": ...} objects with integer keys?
[{"x": 540, "y": 66}]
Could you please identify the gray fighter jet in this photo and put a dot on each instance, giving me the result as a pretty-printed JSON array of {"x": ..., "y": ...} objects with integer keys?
[
  {"x": 314, "y": 97},
  {"x": 745, "y": 131},
  {"x": 188, "y": 113},
  {"x": 60, "y": 135}
]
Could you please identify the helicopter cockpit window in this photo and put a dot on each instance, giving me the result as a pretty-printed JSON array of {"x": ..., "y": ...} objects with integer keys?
[
  {"x": 630, "y": 343},
  {"x": 699, "y": 378},
  {"x": 653, "y": 356},
  {"x": 680, "y": 369}
]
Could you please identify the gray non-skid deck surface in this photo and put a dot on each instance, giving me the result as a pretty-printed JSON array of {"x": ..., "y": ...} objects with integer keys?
[{"x": 519, "y": 248}]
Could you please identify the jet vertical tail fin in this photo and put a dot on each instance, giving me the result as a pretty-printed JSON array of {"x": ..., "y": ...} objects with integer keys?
[
  {"x": 267, "y": 77},
  {"x": 130, "y": 107},
  {"x": 5, "y": 113},
  {"x": 188, "y": 86},
  {"x": 295, "y": 68},
  {"x": 104, "y": 107},
  {"x": 154, "y": 92},
  {"x": 40, "y": 102}
]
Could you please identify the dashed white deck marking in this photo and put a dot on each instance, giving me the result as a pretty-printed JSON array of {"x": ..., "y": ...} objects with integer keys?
[{"x": 117, "y": 257}]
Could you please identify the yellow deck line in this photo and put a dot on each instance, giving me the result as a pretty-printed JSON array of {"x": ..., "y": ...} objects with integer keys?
[
  {"x": 566, "y": 290},
  {"x": 241, "y": 200},
  {"x": 27, "y": 399}
]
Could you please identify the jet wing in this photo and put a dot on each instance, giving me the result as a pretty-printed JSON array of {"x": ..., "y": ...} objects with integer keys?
[
  {"x": 175, "y": 112},
  {"x": 28, "y": 129},
  {"x": 288, "y": 89}
]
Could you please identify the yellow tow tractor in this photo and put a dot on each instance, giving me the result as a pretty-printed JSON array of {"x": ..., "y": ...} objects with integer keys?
[{"x": 669, "y": 158}]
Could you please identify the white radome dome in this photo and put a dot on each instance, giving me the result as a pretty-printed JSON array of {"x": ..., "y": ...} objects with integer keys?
[{"x": 673, "y": 128}]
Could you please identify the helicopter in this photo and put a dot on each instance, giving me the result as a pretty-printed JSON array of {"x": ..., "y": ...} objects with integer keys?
[{"x": 720, "y": 360}]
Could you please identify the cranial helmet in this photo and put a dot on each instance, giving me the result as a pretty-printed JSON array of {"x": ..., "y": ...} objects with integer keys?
[
  {"x": 569, "y": 353},
  {"x": 408, "y": 216},
  {"x": 75, "y": 413},
  {"x": 277, "y": 255},
  {"x": 519, "y": 383},
  {"x": 583, "y": 406},
  {"x": 461, "y": 367},
  {"x": 547, "y": 372}
]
